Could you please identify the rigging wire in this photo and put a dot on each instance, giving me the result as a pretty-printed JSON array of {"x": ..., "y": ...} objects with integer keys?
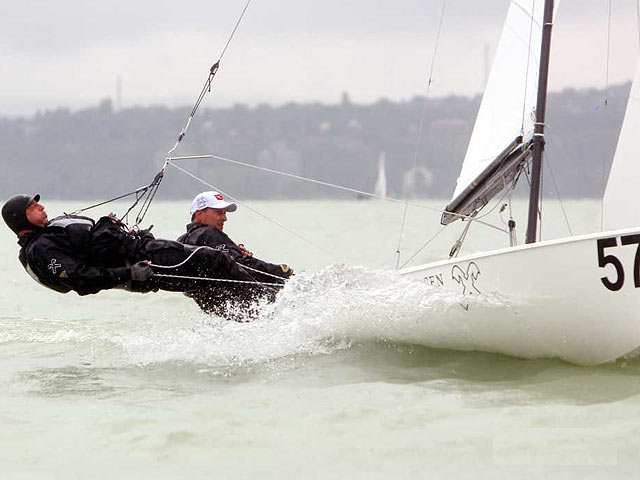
[
  {"x": 429, "y": 82},
  {"x": 261, "y": 272},
  {"x": 467, "y": 217},
  {"x": 540, "y": 198},
  {"x": 206, "y": 88},
  {"x": 119, "y": 197},
  {"x": 526, "y": 74},
  {"x": 330, "y": 254},
  {"x": 555, "y": 187},
  {"x": 453, "y": 253},
  {"x": 404, "y": 218},
  {"x": 222, "y": 280},
  {"x": 606, "y": 103},
  {"x": 606, "y": 77},
  {"x": 431, "y": 239},
  {"x": 215, "y": 279},
  {"x": 207, "y": 84},
  {"x": 422, "y": 119},
  {"x": 638, "y": 19},
  {"x": 471, "y": 218},
  {"x": 147, "y": 193},
  {"x": 147, "y": 197},
  {"x": 474, "y": 218},
  {"x": 340, "y": 187},
  {"x": 319, "y": 182}
]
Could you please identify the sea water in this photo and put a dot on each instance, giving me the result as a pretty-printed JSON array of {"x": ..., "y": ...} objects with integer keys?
[{"x": 328, "y": 382}]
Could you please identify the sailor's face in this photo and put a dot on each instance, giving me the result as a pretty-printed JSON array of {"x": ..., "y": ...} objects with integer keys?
[
  {"x": 36, "y": 214},
  {"x": 214, "y": 217}
]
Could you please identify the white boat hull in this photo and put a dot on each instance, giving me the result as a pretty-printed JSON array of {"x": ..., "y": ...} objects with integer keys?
[{"x": 575, "y": 298}]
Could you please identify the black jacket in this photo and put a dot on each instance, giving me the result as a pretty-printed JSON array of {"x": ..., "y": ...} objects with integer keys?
[
  {"x": 199, "y": 234},
  {"x": 75, "y": 253}
]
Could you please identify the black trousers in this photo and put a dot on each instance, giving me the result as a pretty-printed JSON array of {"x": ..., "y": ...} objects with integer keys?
[{"x": 200, "y": 272}]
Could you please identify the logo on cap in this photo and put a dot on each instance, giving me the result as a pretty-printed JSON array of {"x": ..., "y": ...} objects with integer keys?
[{"x": 219, "y": 197}]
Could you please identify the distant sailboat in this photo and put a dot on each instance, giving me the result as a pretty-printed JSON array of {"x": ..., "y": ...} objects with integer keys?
[{"x": 381, "y": 183}]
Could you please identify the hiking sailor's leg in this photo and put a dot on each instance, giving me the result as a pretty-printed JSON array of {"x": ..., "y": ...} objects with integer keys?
[{"x": 179, "y": 267}]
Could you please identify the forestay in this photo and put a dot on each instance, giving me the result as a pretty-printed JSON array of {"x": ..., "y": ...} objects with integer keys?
[
  {"x": 507, "y": 111},
  {"x": 620, "y": 206}
]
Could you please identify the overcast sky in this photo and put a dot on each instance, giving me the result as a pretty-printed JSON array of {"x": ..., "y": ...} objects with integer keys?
[{"x": 70, "y": 53}]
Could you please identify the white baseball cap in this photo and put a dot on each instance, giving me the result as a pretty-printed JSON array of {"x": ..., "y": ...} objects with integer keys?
[{"x": 211, "y": 200}]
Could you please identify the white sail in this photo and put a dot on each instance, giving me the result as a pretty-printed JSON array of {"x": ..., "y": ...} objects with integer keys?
[
  {"x": 508, "y": 105},
  {"x": 620, "y": 206},
  {"x": 381, "y": 184}
]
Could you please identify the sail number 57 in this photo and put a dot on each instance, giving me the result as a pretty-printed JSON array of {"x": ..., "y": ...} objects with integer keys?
[{"x": 617, "y": 282}]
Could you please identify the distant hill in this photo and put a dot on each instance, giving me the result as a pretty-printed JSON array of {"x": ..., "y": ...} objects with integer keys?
[{"x": 99, "y": 152}]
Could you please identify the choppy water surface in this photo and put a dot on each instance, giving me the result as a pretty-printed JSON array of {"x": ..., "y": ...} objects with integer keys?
[{"x": 331, "y": 381}]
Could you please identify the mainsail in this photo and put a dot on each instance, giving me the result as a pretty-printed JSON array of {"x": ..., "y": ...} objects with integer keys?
[
  {"x": 501, "y": 136},
  {"x": 620, "y": 206}
]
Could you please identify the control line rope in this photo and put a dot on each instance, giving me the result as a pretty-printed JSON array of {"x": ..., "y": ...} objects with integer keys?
[
  {"x": 526, "y": 74},
  {"x": 148, "y": 192},
  {"x": 182, "y": 262},
  {"x": 304, "y": 239},
  {"x": 318, "y": 182},
  {"x": 222, "y": 280},
  {"x": 119, "y": 197},
  {"x": 431, "y": 239},
  {"x": 404, "y": 218},
  {"x": 638, "y": 18},
  {"x": 207, "y": 84},
  {"x": 421, "y": 128},
  {"x": 246, "y": 267},
  {"x": 606, "y": 76},
  {"x": 171, "y": 162},
  {"x": 255, "y": 282},
  {"x": 555, "y": 186}
]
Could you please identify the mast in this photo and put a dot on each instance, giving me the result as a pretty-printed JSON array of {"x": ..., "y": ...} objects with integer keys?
[{"x": 538, "y": 135}]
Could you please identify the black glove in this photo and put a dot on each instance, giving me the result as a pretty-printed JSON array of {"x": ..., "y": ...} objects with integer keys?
[
  {"x": 141, "y": 271},
  {"x": 145, "y": 235},
  {"x": 286, "y": 271}
]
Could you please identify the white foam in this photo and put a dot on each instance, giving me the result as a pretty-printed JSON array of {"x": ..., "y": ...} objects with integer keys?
[{"x": 316, "y": 314}]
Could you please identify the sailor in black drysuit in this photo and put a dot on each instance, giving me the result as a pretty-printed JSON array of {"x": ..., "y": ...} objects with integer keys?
[
  {"x": 75, "y": 253},
  {"x": 208, "y": 215}
]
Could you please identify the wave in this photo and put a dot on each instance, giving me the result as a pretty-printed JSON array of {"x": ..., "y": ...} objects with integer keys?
[{"x": 319, "y": 313}]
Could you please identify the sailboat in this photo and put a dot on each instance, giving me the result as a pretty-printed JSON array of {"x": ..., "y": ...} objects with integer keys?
[
  {"x": 380, "y": 189},
  {"x": 572, "y": 298},
  {"x": 381, "y": 183}
]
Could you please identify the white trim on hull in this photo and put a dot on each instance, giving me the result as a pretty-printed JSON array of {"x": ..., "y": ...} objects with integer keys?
[{"x": 561, "y": 298}]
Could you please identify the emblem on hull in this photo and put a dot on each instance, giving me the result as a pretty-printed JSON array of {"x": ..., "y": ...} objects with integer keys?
[{"x": 467, "y": 279}]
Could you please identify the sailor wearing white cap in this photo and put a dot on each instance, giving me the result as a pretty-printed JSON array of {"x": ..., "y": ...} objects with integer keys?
[
  {"x": 214, "y": 200},
  {"x": 208, "y": 216}
]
